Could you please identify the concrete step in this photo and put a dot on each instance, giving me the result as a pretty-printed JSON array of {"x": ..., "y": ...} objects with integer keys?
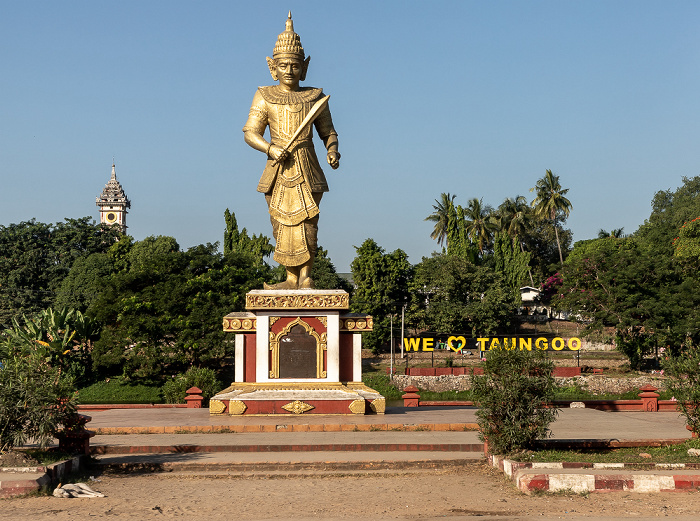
[
  {"x": 257, "y": 462},
  {"x": 20, "y": 483},
  {"x": 322, "y": 447}
]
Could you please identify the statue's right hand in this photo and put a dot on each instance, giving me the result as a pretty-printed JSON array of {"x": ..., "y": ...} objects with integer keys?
[{"x": 278, "y": 153}]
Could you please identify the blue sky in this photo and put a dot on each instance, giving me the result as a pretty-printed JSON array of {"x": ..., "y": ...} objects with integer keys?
[{"x": 473, "y": 98}]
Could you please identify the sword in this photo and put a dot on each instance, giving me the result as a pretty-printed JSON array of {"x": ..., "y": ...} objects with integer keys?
[{"x": 313, "y": 113}]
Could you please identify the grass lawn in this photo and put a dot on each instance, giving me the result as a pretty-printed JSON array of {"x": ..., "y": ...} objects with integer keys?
[
  {"x": 670, "y": 454},
  {"x": 117, "y": 391}
]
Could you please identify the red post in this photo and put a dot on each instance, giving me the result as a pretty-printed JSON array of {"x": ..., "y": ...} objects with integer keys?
[
  {"x": 650, "y": 399},
  {"x": 411, "y": 398},
  {"x": 194, "y": 398},
  {"x": 75, "y": 438}
]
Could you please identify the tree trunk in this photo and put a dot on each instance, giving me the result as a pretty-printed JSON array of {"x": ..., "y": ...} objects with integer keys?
[{"x": 556, "y": 234}]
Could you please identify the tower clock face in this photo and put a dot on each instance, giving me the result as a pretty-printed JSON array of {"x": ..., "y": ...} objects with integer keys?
[{"x": 111, "y": 217}]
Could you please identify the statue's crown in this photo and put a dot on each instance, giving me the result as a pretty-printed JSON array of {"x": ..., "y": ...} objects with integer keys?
[{"x": 288, "y": 43}]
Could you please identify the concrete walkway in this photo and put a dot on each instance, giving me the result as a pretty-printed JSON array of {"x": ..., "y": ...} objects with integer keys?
[
  {"x": 406, "y": 439},
  {"x": 580, "y": 424}
]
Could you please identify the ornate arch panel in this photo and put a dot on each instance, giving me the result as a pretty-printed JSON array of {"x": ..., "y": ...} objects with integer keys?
[{"x": 278, "y": 340}]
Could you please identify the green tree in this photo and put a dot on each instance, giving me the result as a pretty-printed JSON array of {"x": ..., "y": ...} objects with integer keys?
[
  {"x": 381, "y": 288},
  {"x": 541, "y": 243},
  {"x": 85, "y": 282},
  {"x": 687, "y": 246},
  {"x": 551, "y": 203},
  {"x": 515, "y": 218},
  {"x": 443, "y": 210},
  {"x": 480, "y": 223},
  {"x": 625, "y": 284},
  {"x": 683, "y": 372},
  {"x": 34, "y": 401},
  {"x": 324, "y": 274},
  {"x": 449, "y": 294},
  {"x": 512, "y": 396},
  {"x": 617, "y": 233},
  {"x": 459, "y": 242},
  {"x": 510, "y": 262},
  {"x": 163, "y": 314},
  {"x": 35, "y": 258},
  {"x": 239, "y": 242},
  {"x": 669, "y": 211}
]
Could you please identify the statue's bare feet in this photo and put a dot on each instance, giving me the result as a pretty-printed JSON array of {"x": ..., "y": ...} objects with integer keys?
[
  {"x": 306, "y": 283},
  {"x": 291, "y": 282},
  {"x": 305, "y": 280},
  {"x": 281, "y": 285}
]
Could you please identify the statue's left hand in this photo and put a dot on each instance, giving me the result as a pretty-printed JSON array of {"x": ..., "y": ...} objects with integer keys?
[{"x": 333, "y": 158}]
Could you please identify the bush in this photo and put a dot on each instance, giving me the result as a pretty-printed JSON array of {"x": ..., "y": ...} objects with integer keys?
[
  {"x": 683, "y": 370},
  {"x": 511, "y": 395},
  {"x": 174, "y": 391},
  {"x": 116, "y": 390},
  {"x": 34, "y": 402}
]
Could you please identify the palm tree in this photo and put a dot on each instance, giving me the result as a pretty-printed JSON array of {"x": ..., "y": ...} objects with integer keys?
[
  {"x": 515, "y": 218},
  {"x": 479, "y": 223},
  {"x": 617, "y": 233},
  {"x": 444, "y": 208},
  {"x": 551, "y": 203}
]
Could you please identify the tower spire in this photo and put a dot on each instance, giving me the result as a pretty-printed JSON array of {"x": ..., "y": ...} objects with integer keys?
[{"x": 113, "y": 202}]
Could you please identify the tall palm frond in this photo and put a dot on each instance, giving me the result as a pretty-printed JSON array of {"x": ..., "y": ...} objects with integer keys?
[
  {"x": 480, "y": 223},
  {"x": 617, "y": 233},
  {"x": 444, "y": 208}
]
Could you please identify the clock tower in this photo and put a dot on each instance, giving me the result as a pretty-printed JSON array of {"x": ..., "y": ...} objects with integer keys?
[{"x": 113, "y": 203}]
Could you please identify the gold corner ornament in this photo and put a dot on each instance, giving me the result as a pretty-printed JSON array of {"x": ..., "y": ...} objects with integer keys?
[
  {"x": 216, "y": 407},
  {"x": 378, "y": 406},
  {"x": 240, "y": 323},
  {"x": 357, "y": 406},
  {"x": 297, "y": 407},
  {"x": 356, "y": 323},
  {"x": 236, "y": 407}
]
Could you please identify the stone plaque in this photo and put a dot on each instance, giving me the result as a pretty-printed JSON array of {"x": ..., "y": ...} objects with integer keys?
[{"x": 297, "y": 354}]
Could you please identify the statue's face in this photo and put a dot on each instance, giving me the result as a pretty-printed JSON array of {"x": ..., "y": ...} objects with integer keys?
[{"x": 289, "y": 71}]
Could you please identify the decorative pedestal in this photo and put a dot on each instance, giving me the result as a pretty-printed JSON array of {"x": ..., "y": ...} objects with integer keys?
[{"x": 297, "y": 352}]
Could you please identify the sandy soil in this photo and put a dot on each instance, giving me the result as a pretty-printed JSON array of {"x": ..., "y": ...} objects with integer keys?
[{"x": 476, "y": 491}]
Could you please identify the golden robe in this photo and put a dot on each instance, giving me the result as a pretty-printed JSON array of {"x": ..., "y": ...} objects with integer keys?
[{"x": 293, "y": 188}]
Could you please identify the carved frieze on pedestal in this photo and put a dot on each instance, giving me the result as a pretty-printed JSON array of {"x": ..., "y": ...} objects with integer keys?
[{"x": 297, "y": 299}]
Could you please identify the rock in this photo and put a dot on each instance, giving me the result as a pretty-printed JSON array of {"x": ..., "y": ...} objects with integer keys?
[
  {"x": 693, "y": 452},
  {"x": 577, "y": 405},
  {"x": 645, "y": 455}
]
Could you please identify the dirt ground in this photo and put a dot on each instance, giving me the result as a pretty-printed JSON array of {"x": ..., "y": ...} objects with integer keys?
[{"x": 476, "y": 491}]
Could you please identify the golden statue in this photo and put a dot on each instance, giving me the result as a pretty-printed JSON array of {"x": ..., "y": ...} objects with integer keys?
[{"x": 292, "y": 181}]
